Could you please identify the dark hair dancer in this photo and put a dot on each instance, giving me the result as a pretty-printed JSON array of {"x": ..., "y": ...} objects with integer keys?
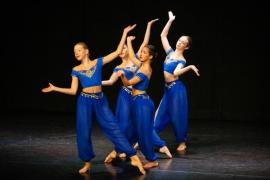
[{"x": 124, "y": 99}]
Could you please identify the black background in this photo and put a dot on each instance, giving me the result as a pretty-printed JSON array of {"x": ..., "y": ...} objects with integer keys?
[{"x": 229, "y": 48}]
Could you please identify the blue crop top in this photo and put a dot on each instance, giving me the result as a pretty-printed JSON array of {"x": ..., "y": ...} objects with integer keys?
[
  {"x": 170, "y": 64},
  {"x": 129, "y": 71},
  {"x": 90, "y": 77},
  {"x": 143, "y": 84}
]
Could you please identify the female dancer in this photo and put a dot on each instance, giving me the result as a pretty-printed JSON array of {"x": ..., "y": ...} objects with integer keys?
[
  {"x": 173, "y": 106},
  {"x": 142, "y": 105},
  {"x": 93, "y": 101},
  {"x": 124, "y": 99},
  {"x": 123, "y": 107}
]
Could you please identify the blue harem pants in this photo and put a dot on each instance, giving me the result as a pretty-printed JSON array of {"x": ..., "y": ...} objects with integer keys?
[
  {"x": 123, "y": 111},
  {"x": 143, "y": 110},
  {"x": 90, "y": 104},
  {"x": 172, "y": 108}
]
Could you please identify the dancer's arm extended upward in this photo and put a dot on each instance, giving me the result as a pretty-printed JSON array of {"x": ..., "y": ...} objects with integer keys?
[
  {"x": 145, "y": 42},
  {"x": 108, "y": 58}
]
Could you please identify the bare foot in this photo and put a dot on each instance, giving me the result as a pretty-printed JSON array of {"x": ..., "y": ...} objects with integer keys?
[
  {"x": 122, "y": 155},
  {"x": 110, "y": 157},
  {"x": 182, "y": 147},
  {"x": 85, "y": 168},
  {"x": 150, "y": 164},
  {"x": 135, "y": 161},
  {"x": 166, "y": 151}
]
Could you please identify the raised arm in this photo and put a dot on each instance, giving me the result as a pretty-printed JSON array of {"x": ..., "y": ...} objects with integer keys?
[
  {"x": 131, "y": 53},
  {"x": 111, "y": 81},
  {"x": 165, "y": 31},
  {"x": 71, "y": 91},
  {"x": 146, "y": 36},
  {"x": 116, "y": 53}
]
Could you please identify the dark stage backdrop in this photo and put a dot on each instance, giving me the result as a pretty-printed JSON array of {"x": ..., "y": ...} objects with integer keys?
[{"x": 229, "y": 48}]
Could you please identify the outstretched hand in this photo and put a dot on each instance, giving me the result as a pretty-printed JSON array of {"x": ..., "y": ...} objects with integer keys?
[
  {"x": 195, "y": 69},
  {"x": 152, "y": 21},
  {"x": 171, "y": 16},
  {"x": 129, "y": 28},
  {"x": 48, "y": 89}
]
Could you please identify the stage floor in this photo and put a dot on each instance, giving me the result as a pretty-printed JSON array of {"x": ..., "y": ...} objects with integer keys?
[{"x": 43, "y": 146}]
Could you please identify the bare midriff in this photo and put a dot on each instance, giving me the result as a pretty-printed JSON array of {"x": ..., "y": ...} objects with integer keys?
[
  {"x": 169, "y": 77},
  {"x": 137, "y": 92},
  {"x": 92, "y": 89}
]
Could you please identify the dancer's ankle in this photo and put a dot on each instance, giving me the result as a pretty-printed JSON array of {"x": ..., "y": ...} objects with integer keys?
[
  {"x": 150, "y": 164},
  {"x": 85, "y": 168},
  {"x": 182, "y": 147},
  {"x": 166, "y": 151},
  {"x": 110, "y": 157},
  {"x": 135, "y": 161}
]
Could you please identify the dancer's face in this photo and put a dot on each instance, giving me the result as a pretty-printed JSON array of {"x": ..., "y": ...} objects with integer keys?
[
  {"x": 124, "y": 52},
  {"x": 182, "y": 43},
  {"x": 80, "y": 52},
  {"x": 145, "y": 55}
]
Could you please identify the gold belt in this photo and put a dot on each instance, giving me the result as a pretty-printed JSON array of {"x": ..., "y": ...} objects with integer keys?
[
  {"x": 94, "y": 96},
  {"x": 170, "y": 85},
  {"x": 127, "y": 90}
]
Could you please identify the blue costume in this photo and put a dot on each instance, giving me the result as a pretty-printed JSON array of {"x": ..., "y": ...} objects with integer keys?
[
  {"x": 143, "y": 118},
  {"x": 90, "y": 104},
  {"x": 123, "y": 103},
  {"x": 173, "y": 106}
]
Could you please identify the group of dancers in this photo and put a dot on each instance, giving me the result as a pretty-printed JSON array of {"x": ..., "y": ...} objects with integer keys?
[{"x": 135, "y": 121}]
